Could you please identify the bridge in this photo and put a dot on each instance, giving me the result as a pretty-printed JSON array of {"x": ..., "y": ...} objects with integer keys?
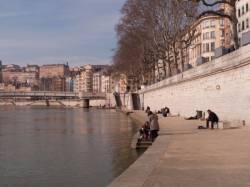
[{"x": 48, "y": 95}]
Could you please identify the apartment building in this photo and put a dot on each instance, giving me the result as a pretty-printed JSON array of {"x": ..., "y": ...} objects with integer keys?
[
  {"x": 84, "y": 81},
  {"x": 243, "y": 16},
  {"x": 211, "y": 32},
  {"x": 21, "y": 77},
  {"x": 54, "y": 70}
]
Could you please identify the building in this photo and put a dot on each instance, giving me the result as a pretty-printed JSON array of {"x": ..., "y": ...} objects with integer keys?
[
  {"x": 76, "y": 83},
  {"x": 54, "y": 70},
  {"x": 211, "y": 32},
  {"x": 20, "y": 78},
  {"x": 84, "y": 81},
  {"x": 69, "y": 81},
  {"x": 11, "y": 67},
  {"x": 106, "y": 84},
  {"x": 52, "y": 84},
  {"x": 243, "y": 16},
  {"x": 120, "y": 84}
]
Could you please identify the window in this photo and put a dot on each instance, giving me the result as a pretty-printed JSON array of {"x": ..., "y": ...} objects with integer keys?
[
  {"x": 212, "y": 35},
  {"x": 212, "y": 46},
  {"x": 239, "y": 27},
  {"x": 207, "y": 47},
  {"x": 243, "y": 10},
  {"x": 222, "y": 33},
  {"x": 238, "y": 12},
  {"x": 247, "y": 23},
  {"x": 206, "y": 24},
  {"x": 222, "y": 22},
  {"x": 243, "y": 26},
  {"x": 206, "y": 36},
  {"x": 247, "y": 7},
  {"x": 222, "y": 42},
  {"x": 212, "y": 23}
]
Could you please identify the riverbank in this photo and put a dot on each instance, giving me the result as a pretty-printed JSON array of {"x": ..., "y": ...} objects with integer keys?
[{"x": 182, "y": 155}]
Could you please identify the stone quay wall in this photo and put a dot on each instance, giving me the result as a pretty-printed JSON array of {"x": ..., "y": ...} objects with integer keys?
[{"x": 222, "y": 85}]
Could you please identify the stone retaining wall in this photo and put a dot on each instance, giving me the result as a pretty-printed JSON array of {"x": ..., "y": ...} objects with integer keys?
[{"x": 222, "y": 85}]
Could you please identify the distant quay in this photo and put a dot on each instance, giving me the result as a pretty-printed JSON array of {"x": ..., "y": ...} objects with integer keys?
[{"x": 77, "y": 103}]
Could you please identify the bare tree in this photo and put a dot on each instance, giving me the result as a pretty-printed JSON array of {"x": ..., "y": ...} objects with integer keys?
[{"x": 150, "y": 36}]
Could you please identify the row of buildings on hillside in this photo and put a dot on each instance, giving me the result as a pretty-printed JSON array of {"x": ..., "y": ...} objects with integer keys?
[
  {"x": 212, "y": 37},
  {"x": 60, "y": 77}
]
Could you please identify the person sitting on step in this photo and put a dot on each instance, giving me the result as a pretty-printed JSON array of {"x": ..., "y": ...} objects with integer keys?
[{"x": 213, "y": 118}]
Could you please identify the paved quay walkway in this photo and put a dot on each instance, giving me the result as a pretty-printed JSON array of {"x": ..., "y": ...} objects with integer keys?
[{"x": 184, "y": 156}]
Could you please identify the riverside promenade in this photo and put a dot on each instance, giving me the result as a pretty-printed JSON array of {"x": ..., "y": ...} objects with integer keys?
[{"x": 184, "y": 156}]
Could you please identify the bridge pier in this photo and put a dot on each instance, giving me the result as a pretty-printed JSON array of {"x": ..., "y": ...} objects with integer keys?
[{"x": 85, "y": 103}]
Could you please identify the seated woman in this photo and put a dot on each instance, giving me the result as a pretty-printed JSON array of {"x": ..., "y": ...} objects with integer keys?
[{"x": 144, "y": 131}]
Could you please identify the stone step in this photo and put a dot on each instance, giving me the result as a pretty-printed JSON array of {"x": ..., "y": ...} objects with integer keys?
[{"x": 143, "y": 144}]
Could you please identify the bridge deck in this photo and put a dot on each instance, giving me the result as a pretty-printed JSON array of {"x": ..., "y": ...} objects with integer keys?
[{"x": 53, "y": 94}]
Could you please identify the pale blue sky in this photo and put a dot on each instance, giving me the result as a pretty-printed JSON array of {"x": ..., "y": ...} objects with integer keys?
[{"x": 56, "y": 31}]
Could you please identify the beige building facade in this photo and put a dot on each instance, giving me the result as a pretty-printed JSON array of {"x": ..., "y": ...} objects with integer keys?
[
  {"x": 211, "y": 32},
  {"x": 54, "y": 70},
  {"x": 243, "y": 16},
  {"x": 97, "y": 82},
  {"x": 84, "y": 81},
  {"x": 20, "y": 77}
]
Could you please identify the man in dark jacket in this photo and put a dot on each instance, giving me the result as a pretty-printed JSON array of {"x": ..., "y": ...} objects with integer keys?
[{"x": 213, "y": 118}]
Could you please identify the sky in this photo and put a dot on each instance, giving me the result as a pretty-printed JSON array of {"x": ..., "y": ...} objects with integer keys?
[{"x": 58, "y": 31}]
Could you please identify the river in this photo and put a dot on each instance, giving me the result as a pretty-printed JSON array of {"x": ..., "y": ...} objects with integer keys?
[{"x": 56, "y": 147}]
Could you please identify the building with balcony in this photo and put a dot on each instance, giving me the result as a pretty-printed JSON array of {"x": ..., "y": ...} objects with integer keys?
[
  {"x": 211, "y": 32},
  {"x": 84, "y": 81},
  {"x": 107, "y": 84},
  {"x": 97, "y": 82}
]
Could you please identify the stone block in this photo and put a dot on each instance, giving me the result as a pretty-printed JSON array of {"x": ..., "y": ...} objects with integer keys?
[
  {"x": 230, "y": 124},
  {"x": 220, "y": 52},
  {"x": 200, "y": 60},
  {"x": 245, "y": 40},
  {"x": 187, "y": 67}
]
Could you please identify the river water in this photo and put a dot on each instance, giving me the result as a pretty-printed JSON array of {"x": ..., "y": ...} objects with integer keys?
[{"x": 46, "y": 147}]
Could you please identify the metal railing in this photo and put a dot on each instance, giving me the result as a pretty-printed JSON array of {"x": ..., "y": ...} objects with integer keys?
[{"x": 87, "y": 95}]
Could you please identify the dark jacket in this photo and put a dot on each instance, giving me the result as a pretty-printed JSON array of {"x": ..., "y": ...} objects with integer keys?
[{"x": 213, "y": 117}]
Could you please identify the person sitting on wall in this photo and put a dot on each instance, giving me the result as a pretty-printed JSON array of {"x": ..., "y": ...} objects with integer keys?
[
  {"x": 144, "y": 131},
  {"x": 165, "y": 112},
  {"x": 213, "y": 118},
  {"x": 197, "y": 116}
]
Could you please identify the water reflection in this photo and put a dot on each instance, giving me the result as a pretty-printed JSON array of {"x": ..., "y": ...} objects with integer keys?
[{"x": 63, "y": 147}]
